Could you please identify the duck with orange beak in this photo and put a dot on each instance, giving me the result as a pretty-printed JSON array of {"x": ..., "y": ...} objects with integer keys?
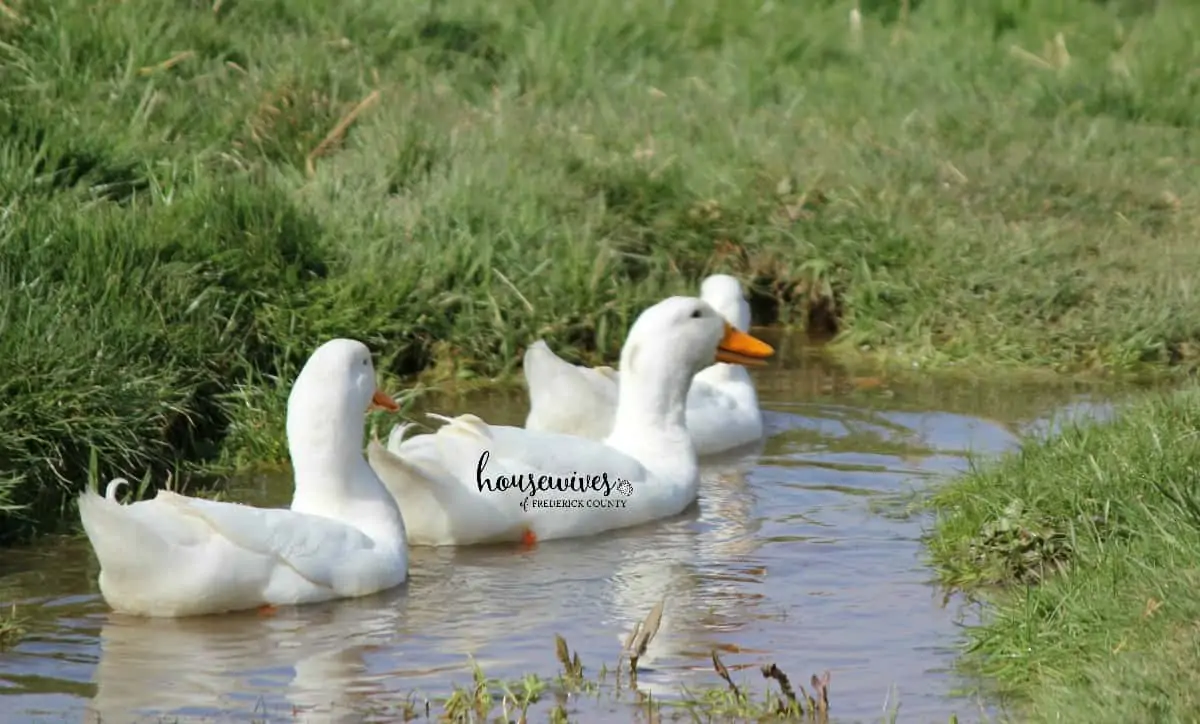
[
  {"x": 722, "y": 404},
  {"x": 473, "y": 483},
  {"x": 343, "y": 536}
]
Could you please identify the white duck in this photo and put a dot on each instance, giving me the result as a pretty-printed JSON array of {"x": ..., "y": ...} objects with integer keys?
[
  {"x": 722, "y": 405},
  {"x": 343, "y": 536},
  {"x": 449, "y": 483}
]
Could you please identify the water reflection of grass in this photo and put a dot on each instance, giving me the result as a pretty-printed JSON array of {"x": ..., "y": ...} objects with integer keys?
[{"x": 1087, "y": 545}]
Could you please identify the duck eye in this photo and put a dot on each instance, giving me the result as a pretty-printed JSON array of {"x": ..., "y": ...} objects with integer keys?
[
  {"x": 366, "y": 362},
  {"x": 696, "y": 314}
]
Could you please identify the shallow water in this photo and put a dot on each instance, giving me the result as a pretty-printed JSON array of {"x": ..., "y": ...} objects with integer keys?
[{"x": 794, "y": 555}]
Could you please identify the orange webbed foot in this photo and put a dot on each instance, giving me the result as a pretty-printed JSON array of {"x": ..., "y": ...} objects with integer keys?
[{"x": 529, "y": 538}]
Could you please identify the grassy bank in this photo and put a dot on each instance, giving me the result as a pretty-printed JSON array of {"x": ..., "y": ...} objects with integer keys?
[
  {"x": 194, "y": 194},
  {"x": 1088, "y": 547}
]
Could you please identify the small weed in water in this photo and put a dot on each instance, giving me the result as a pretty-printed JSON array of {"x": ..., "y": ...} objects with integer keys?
[{"x": 12, "y": 629}]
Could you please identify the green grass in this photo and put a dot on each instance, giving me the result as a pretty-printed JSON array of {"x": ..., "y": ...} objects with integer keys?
[
  {"x": 176, "y": 236},
  {"x": 1087, "y": 549}
]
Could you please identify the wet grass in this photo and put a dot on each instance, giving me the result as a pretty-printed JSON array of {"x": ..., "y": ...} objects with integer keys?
[
  {"x": 195, "y": 194},
  {"x": 1086, "y": 548}
]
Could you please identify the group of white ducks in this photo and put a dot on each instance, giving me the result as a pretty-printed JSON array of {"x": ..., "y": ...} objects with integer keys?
[{"x": 352, "y": 519}]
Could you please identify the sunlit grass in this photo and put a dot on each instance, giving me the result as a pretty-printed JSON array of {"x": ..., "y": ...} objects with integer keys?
[
  {"x": 1086, "y": 547},
  {"x": 196, "y": 194}
]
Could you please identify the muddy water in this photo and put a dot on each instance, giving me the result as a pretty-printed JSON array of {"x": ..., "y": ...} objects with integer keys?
[{"x": 793, "y": 555}]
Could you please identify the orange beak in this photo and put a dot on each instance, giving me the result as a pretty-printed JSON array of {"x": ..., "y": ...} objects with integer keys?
[
  {"x": 740, "y": 348},
  {"x": 383, "y": 401}
]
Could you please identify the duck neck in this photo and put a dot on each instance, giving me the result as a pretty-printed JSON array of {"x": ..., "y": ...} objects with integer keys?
[
  {"x": 332, "y": 478},
  {"x": 651, "y": 419}
]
